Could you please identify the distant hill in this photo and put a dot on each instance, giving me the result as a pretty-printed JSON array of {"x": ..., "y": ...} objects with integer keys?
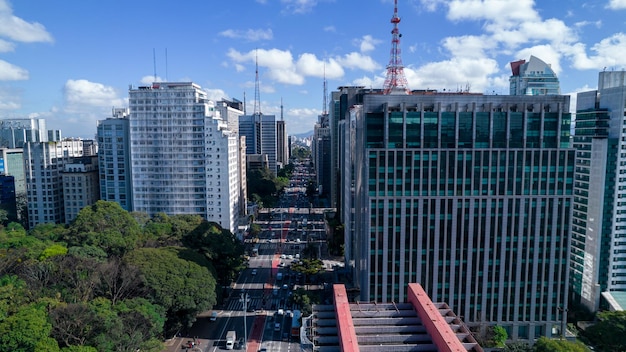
[{"x": 304, "y": 134}]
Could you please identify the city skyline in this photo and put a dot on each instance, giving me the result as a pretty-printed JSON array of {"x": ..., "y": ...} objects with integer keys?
[{"x": 71, "y": 65}]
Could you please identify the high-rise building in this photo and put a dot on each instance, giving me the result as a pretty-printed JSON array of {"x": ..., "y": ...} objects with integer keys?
[
  {"x": 184, "y": 160},
  {"x": 261, "y": 136},
  {"x": 15, "y": 132},
  {"x": 534, "y": 77},
  {"x": 469, "y": 195},
  {"x": 282, "y": 151},
  {"x": 12, "y": 164},
  {"x": 320, "y": 151},
  {"x": 43, "y": 165},
  {"x": 80, "y": 185},
  {"x": 598, "y": 229},
  {"x": 114, "y": 159}
]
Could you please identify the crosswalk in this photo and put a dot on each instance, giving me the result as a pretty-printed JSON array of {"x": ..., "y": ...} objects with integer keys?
[{"x": 258, "y": 303}]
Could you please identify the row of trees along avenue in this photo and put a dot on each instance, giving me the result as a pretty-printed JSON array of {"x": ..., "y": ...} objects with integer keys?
[{"x": 111, "y": 280}]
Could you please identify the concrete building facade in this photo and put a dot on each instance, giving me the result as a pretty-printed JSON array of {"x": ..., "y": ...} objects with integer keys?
[
  {"x": 114, "y": 159},
  {"x": 599, "y": 224},
  {"x": 43, "y": 165},
  {"x": 467, "y": 194},
  {"x": 184, "y": 160},
  {"x": 81, "y": 185}
]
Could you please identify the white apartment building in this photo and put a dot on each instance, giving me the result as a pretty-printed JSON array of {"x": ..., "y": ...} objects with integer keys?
[
  {"x": 184, "y": 160},
  {"x": 43, "y": 165}
]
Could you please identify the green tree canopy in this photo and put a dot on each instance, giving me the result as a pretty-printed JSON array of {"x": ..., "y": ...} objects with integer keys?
[
  {"x": 545, "y": 344},
  {"x": 609, "y": 333},
  {"x": 220, "y": 247},
  {"x": 106, "y": 225},
  {"x": 183, "y": 287},
  {"x": 24, "y": 330}
]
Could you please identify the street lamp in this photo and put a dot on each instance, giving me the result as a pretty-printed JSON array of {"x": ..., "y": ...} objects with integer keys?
[{"x": 244, "y": 298}]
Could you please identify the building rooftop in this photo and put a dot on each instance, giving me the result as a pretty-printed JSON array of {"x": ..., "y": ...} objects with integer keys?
[{"x": 418, "y": 325}]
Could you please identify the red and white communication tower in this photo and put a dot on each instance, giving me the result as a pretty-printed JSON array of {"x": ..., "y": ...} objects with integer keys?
[{"x": 395, "y": 81}]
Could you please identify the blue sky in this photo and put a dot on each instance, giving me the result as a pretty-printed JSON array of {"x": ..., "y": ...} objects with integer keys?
[{"x": 71, "y": 61}]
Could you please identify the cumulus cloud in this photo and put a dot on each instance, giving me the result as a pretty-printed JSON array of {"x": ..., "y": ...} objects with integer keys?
[
  {"x": 10, "y": 72},
  {"x": 608, "y": 52},
  {"x": 281, "y": 66},
  {"x": 356, "y": 60},
  {"x": 251, "y": 35},
  {"x": 367, "y": 43},
  {"x": 149, "y": 79},
  {"x": 6, "y": 46},
  {"x": 617, "y": 4},
  {"x": 216, "y": 94},
  {"x": 310, "y": 65},
  {"x": 16, "y": 29},
  {"x": 82, "y": 94}
]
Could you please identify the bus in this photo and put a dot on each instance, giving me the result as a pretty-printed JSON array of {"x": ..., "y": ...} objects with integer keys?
[
  {"x": 296, "y": 324},
  {"x": 255, "y": 251}
]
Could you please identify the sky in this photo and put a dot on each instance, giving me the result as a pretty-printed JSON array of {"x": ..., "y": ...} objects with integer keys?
[{"x": 70, "y": 62}]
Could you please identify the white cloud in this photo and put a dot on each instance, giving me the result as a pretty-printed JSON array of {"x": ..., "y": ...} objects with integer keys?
[
  {"x": 504, "y": 12},
  {"x": 150, "y": 79},
  {"x": 309, "y": 65},
  {"x": 453, "y": 74},
  {"x": 609, "y": 52},
  {"x": 330, "y": 29},
  {"x": 251, "y": 35},
  {"x": 216, "y": 94},
  {"x": 617, "y": 4},
  {"x": 17, "y": 29},
  {"x": 10, "y": 72},
  {"x": 299, "y": 6},
  {"x": 82, "y": 94},
  {"x": 6, "y": 46},
  {"x": 356, "y": 60},
  {"x": 367, "y": 43}
]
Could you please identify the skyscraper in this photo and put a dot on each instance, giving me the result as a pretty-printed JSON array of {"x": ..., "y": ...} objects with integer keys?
[
  {"x": 184, "y": 159},
  {"x": 43, "y": 165},
  {"x": 534, "y": 77},
  {"x": 466, "y": 194},
  {"x": 261, "y": 136},
  {"x": 599, "y": 225},
  {"x": 114, "y": 159}
]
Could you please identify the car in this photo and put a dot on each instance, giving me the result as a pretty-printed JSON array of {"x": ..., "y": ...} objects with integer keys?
[
  {"x": 275, "y": 292},
  {"x": 280, "y": 312},
  {"x": 290, "y": 256},
  {"x": 213, "y": 316},
  {"x": 253, "y": 271},
  {"x": 282, "y": 265},
  {"x": 282, "y": 256},
  {"x": 277, "y": 327},
  {"x": 297, "y": 255},
  {"x": 250, "y": 310},
  {"x": 285, "y": 287}
]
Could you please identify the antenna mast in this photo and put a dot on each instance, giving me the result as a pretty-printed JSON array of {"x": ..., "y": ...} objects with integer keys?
[
  {"x": 154, "y": 63},
  {"x": 395, "y": 80},
  {"x": 325, "y": 102},
  {"x": 257, "y": 94}
]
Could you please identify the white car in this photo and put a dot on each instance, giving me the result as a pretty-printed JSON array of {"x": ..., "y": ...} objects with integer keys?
[
  {"x": 280, "y": 312},
  {"x": 282, "y": 256}
]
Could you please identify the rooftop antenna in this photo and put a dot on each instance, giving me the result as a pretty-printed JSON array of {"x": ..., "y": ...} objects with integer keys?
[
  {"x": 257, "y": 94},
  {"x": 281, "y": 109},
  {"x": 154, "y": 63},
  {"x": 395, "y": 80},
  {"x": 244, "y": 103},
  {"x": 325, "y": 102}
]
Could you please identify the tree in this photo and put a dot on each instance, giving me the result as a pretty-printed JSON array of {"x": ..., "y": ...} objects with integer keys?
[
  {"x": 184, "y": 288},
  {"x": 609, "y": 333},
  {"x": 24, "y": 330},
  {"x": 118, "y": 280},
  {"x": 545, "y": 344},
  {"x": 220, "y": 247},
  {"x": 498, "y": 336},
  {"x": 518, "y": 347},
  {"x": 105, "y": 225}
]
